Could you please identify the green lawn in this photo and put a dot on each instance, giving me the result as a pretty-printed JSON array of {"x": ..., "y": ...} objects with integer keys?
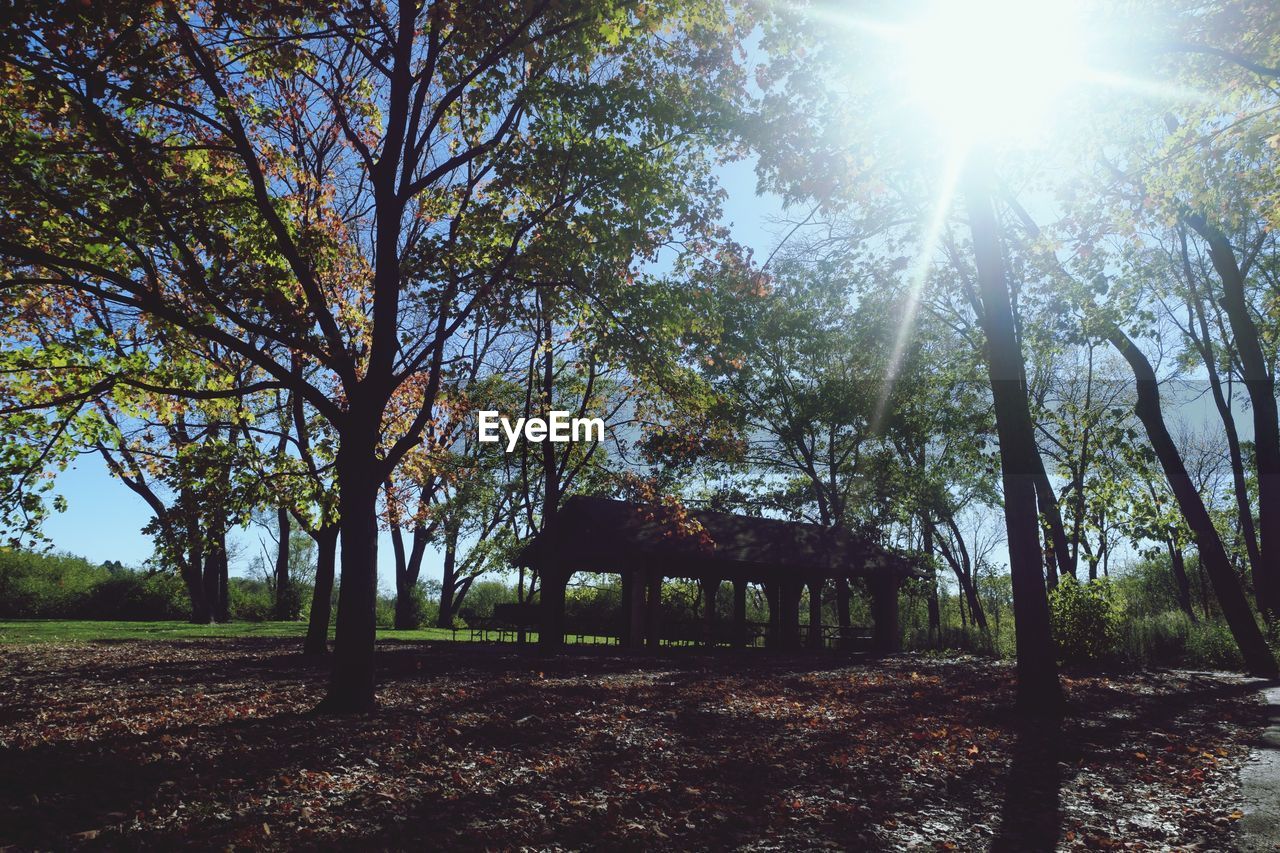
[{"x": 28, "y": 631}]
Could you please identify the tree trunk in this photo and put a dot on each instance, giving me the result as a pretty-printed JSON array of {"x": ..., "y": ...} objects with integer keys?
[
  {"x": 1081, "y": 469},
  {"x": 1182, "y": 585},
  {"x": 222, "y": 612},
  {"x": 935, "y": 617},
  {"x": 195, "y": 594},
  {"x": 521, "y": 636},
  {"x": 284, "y": 595},
  {"x": 842, "y": 609},
  {"x": 1213, "y": 556},
  {"x": 963, "y": 568},
  {"x": 1050, "y": 557},
  {"x": 1205, "y": 598},
  {"x": 1063, "y": 560},
  {"x": 408, "y": 569},
  {"x": 209, "y": 578},
  {"x": 1020, "y": 465},
  {"x": 1260, "y": 384},
  {"x": 1196, "y": 317},
  {"x": 448, "y": 578},
  {"x": 976, "y": 612},
  {"x": 317, "y": 642},
  {"x": 404, "y": 620},
  {"x": 351, "y": 686},
  {"x": 550, "y": 466},
  {"x": 193, "y": 575}
]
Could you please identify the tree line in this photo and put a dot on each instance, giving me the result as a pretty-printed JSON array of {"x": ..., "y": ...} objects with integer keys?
[{"x": 274, "y": 259}]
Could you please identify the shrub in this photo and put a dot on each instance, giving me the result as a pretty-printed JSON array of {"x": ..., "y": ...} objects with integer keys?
[
  {"x": 384, "y": 611},
  {"x": 967, "y": 639},
  {"x": 484, "y": 595},
  {"x": 1086, "y": 620},
  {"x": 422, "y": 610},
  {"x": 1159, "y": 640},
  {"x": 594, "y": 605},
  {"x": 137, "y": 596},
  {"x": 250, "y": 600},
  {"x": 60, "y": 586},
  {"x": 297, "y": 595},
  {"x": 45, "y": 585},
  {"x": 1210, "y": 645},
  {"x": 427, "y": 604},
  {"x": 1172, "y": 639}
]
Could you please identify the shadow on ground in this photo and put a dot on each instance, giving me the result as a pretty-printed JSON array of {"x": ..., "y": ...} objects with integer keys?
[{"x": 212, "y": 744}]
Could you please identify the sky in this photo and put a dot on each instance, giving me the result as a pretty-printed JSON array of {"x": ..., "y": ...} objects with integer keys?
[{"x": 104, "y": 519}]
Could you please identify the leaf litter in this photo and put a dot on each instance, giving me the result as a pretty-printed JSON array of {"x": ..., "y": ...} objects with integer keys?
[{"x": 212, "y": 744}]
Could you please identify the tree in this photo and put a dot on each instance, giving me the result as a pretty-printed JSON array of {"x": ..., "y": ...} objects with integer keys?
[
  {"x": 829, "y": 117},
  {"x": 347, "y": 187},
  {"x": 1213, "y": 556},
  {"x": 1020, "y": 463},
  {"x": 1194, "y": 179}
]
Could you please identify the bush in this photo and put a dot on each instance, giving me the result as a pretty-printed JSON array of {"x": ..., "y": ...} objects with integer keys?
[
  {"x": 1172, "y": 639},
  {"x": 1210, "y": 645},
  {"x": 427, "y": 604},
  {"x": 250, "y": 600},
  {"x": 423, "y": 611},
  {"x": 483, "y": 596},
  {"x": 968, "y": 639},
  {"x": 135, "y": 596},
  {"x": 595, "y": 605},
  {"x": 384, "y": 613},
  {"x": 45, "y": 585},
  {"x": 60, "y": 586},
  {"x": 1085, "y": 620},
  {"x": 1159, "y": 640},
  {"x": 297, "y": 597}
]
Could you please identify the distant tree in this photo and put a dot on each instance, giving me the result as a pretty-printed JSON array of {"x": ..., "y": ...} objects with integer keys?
[{"x": 164, "y": 164}]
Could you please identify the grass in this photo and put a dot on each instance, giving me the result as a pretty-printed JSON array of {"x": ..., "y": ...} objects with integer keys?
[
  {"x": 35, "y": 631},
  {"x": 25, "y": 632}
]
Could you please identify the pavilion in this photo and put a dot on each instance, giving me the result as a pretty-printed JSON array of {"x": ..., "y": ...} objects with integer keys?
[{"x": 646, "y": 544}]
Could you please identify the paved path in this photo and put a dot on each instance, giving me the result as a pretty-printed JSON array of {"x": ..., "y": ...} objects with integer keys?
[{"x": 1260, "y": 785}]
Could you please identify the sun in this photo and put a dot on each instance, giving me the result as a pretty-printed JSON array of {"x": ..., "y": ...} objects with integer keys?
[{"x": 987, "y": 70}]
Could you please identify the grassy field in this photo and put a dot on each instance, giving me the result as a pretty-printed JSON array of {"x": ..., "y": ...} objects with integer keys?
[
  {"x": 32, "y": 631},
  {"x": 25, "y": 632}
]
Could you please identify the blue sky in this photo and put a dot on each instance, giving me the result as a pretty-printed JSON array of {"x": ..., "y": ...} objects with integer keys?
[{"x": 104, "y": 519}]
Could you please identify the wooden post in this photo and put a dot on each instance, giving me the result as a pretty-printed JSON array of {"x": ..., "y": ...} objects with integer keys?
[
  {"x": 551, "y": 632},
  {"x": 710, "y": 591},
  {"x": 773, "y": 633},
  {"x": 842, "y": 611},
  {"x": 790, "y": 622},
  {"x": 815, "y": 613},
  {"x": 624, "y": 609},
  {"x": 884, "y": 607},
  {"x": 739, "y": 613},
  {"x": 654, "y": 608},
  {"x": 633, "y": 608}
]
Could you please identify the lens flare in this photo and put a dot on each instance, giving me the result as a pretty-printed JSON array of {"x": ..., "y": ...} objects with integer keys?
[{"x": 994, "y": 69}]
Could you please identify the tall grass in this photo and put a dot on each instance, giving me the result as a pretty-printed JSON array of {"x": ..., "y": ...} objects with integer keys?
[{"x": 1172, "y": 639}]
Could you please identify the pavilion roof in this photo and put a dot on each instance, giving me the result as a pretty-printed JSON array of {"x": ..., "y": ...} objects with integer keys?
[{"x": 601, "y": 534}]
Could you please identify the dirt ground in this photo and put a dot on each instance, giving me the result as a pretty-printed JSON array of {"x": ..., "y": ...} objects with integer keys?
[{"x": 211, "y": 743}]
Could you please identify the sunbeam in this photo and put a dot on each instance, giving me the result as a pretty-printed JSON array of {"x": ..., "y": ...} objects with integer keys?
[
  {"x": 1138, "y": 86},
  {"x": 919, "y": 275}
]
